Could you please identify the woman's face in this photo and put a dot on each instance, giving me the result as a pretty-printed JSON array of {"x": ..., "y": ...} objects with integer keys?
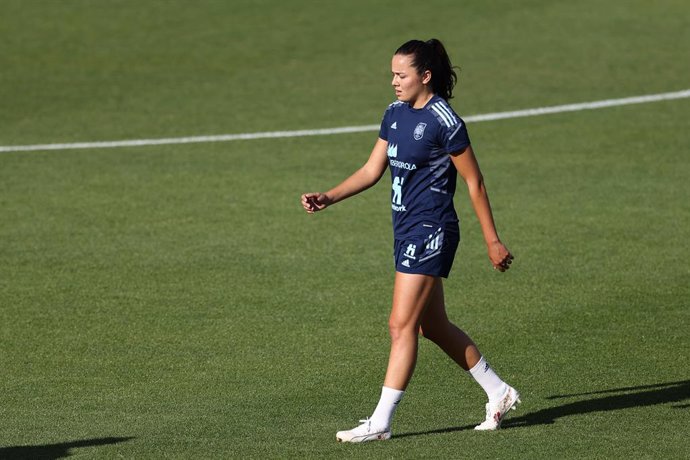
[{"x": 408, "y": 84}]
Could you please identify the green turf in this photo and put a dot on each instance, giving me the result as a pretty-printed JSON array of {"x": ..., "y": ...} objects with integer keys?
[{"x": 174, "y": 301}]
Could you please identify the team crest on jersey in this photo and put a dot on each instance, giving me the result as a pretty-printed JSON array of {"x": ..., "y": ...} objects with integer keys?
[{"x": 419, "y": 131}]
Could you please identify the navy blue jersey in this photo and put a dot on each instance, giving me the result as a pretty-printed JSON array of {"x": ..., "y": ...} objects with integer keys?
[{"x": 422, "y": 174}]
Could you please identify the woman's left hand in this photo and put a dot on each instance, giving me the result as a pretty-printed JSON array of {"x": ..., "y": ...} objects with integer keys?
[{"x": 500, "y": 256}]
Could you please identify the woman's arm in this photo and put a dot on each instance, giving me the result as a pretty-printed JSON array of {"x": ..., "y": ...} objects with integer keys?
[
  {"x": 466, "y": 164},
  {"x": 362, "y": 179}
]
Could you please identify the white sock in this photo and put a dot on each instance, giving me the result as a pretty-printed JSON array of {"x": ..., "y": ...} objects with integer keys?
[
  {"x": 383, "y": 414},
  {"x": 489, "y": 381}
]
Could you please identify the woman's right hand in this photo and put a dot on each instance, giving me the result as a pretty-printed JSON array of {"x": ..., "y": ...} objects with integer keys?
[{"x": 312, "y": 202}]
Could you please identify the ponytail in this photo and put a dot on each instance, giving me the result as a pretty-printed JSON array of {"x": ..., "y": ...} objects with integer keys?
[{"x": 432, "y": 56}]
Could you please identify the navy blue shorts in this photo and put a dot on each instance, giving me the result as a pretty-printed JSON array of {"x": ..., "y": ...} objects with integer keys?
[{"x": 430, "y": 254}]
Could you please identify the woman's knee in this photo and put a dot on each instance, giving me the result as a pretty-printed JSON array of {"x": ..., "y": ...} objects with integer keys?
[{"x": 400, "y": 330}]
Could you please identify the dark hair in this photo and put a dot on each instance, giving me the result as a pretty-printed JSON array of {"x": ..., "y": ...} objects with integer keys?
[{"x": 431, "y": 55}]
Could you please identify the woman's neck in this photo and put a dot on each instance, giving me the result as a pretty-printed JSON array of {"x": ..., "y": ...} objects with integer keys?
[{"x": 422, "y": 100}]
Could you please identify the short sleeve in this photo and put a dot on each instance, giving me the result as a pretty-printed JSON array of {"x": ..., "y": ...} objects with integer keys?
[
  {"x": 455, "y": 138},
  {"x": 452, "y": 133},
  {"x": 383, "y": 132}
]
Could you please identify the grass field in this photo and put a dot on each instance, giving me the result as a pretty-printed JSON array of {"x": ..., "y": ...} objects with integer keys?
[{"x": 175, "y": 302}]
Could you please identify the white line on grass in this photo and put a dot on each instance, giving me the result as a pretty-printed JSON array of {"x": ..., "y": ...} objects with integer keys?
[{"x": 347, "y": 129}]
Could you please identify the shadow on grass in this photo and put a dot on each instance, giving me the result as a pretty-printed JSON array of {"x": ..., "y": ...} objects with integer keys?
[
  {"x": 639, "y": 396},
  {"x": 54, "y": 451}
]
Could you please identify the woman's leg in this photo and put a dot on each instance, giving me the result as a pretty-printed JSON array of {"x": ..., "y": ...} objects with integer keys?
[
  {"x": 411, "y": 295},
  {"x": 436, "y": 327}
]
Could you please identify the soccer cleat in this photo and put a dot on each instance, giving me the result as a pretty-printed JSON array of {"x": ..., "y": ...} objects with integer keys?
[
  {"x": 496, "y": 411},
  {"x": 363, "y": 433}
]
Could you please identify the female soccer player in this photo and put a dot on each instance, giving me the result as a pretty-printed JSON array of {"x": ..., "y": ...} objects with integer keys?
[{"x": 424, "y": 144}]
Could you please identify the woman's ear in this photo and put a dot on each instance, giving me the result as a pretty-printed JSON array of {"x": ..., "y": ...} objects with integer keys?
[{"x": 426, "y": 77}]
